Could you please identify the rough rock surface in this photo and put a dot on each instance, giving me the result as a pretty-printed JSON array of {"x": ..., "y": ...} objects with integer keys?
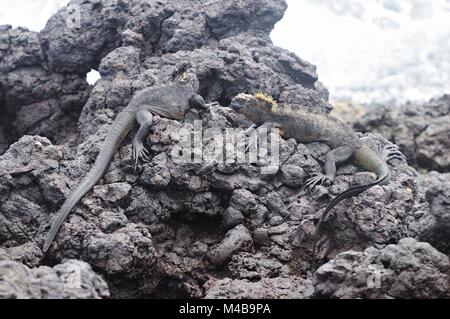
[
  {"x": 431, "y": 220},
  {"x": 169, "y": 230},
  {"x": 421, "y": 130},
  {"x": 34, "y": 99},
  {"x": 72, "y": 279},
  {"x": 267, "y": 288},
  {"x": 396, "y": 271}
]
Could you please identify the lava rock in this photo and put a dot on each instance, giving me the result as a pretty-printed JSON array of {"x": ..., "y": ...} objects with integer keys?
[
  {"x": 237, "y": 239},
  {"x": 164, "y": 229},
  {"x": 268, "y": 288},
  {"x": 72, "y": 279},
  {"x": 409, "y": 269},
  {"x": 421, "y": 130}
]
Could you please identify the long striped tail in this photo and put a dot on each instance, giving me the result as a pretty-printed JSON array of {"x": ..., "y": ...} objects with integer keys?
[
  {"x": 369, "y": 160},
  {"x": 117, "y": 133}
]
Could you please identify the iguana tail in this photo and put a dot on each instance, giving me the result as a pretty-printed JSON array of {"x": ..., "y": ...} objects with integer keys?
[
  {"x": 369, "y": 160},
  {"x": 118, "y": 131}
]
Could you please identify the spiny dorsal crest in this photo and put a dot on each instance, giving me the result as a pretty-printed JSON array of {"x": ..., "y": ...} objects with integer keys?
[
  {"x": 189, "y": 78},
  {"x": 185, "y": 77},
  {"x": 266, "y": 98}
]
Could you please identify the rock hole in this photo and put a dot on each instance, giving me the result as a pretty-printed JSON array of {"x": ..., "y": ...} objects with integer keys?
[
  {"x": 386, "y": 263},
  {"x": 93, "y": 76}
]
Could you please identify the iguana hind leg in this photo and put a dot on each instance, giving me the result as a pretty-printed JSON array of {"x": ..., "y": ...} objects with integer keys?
[
  {"x": 334, "y": 157},
  {"x": 390, "y": 152},
  {"x": 145, "y": 120}
]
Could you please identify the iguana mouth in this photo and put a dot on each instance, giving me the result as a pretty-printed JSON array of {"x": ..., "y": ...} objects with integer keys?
[{"x": 237, "y": 105}]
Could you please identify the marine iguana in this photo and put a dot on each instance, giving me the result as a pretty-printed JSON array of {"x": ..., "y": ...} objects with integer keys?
[
  {"x": 171, "y": 101},
  {"x": 306, "y": 127}
]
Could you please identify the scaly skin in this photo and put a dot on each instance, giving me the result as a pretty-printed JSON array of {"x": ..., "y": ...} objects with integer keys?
[
  {"x": 171, "y": 101},
  {"x": 307, "y": 127}
]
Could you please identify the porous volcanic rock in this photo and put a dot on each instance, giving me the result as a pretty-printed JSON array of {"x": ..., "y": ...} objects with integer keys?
[
  {"x": 410, "y": 269},
  {"x": 72, "y": 279},
  {"x": 171, "y": 229},
  {"x": 422, "y": 130}
]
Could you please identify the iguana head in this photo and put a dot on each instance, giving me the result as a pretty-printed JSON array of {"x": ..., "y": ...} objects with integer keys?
[
  {"x": 188, "y": 78},
  {"x": 256, "y": 107}
]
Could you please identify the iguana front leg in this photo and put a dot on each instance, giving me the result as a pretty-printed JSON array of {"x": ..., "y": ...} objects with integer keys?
[
  {"x": 335, "y": 157},
  {"x": 145, "y": 120}
]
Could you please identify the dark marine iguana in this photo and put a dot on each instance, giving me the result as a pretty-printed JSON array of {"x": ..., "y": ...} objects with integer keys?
[
  {"x": 306, "y": 127},
  {"x": 170, "y": 101}
]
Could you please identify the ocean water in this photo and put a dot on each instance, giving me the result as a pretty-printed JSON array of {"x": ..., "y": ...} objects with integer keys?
[
  {"x": 366, "y": 51},
  {"x": 372, "y": 51}
]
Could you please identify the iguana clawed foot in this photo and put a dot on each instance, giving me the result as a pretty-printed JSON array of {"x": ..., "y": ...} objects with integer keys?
[
  {"x": 391, "y": 152},
  {"x": 140, "y": 152},
  {"x": 318, "y": 179}
]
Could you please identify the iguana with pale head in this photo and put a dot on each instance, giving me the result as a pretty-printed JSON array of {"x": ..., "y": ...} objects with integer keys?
[
  {"x": 171, "y": 101},
  {"x": 307, "y": 127}
]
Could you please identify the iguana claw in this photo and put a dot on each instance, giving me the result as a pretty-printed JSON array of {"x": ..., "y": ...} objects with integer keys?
[
  {"x": 317, "y": 179},
  {"x": 140, "y": 152},
  {"x": 391, "y": 152}
]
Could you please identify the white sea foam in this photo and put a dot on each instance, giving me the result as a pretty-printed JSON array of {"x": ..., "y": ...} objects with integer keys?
[
  {"x": 32, "y": 14},
  {"x": 382, "y": 51}
]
